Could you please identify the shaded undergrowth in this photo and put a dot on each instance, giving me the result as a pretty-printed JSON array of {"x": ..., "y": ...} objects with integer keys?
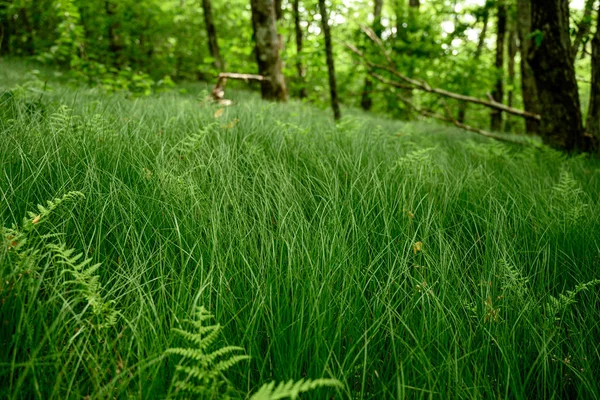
[{"x": 404, "y": 260}]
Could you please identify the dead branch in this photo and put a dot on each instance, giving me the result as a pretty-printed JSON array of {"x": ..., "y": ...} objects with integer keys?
[
  {"x": 218, "y": 92},
  {"x": 431, "y": 114},
  {"x": 424, "y": 86}
]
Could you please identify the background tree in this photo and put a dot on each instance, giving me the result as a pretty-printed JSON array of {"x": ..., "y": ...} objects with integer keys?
[
  {"x": 561, "y": 125},
  {"x": 485, "y": 17},
  {"x": 593, "y": 119},
  {"x": 211, "y": 32},
  {"x": 366, "y": 101},
  {"x": 268, "y": 45},
  {"x": 335, "y": 103},
  {"x": 528, "y": 88},
  {"x": 498, "y": 92},
  {"x": 301, "y": 70}
]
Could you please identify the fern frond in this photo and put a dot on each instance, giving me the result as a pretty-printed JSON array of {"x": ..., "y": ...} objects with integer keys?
[
  {"x": 224, "y": 365},
  {"x": 291, "y": 389},
  {"x": 223, "y": 351},
  {"x": 45, "y": 211},
  {"x": 187, "y": 353},
  {"x": 198, "y": 337},
  {"x": 557, "y": 306}
]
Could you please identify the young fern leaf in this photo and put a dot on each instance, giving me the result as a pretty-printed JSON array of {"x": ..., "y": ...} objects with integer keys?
[
  {"x": 201, "y": 371},
  {"x": 291, "y": 389},
  {"x": 44, "y": 211},
  {"x": 557, "y": 306},
  {"x": 85, "y": 284}
]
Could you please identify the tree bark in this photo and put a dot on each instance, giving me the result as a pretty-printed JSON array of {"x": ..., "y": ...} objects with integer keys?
[
  {"x": 366, "y": 101},
  {"x": 268, "y": 45},
  {"x": 593, "y": 119},
  {"x": 299, "y": 44},
  {"x": 561, "y": 126},
  {"x": 462, "y": 107},
  {"x": 498, "y": 92},
  {"x": 213, "y": 44},
  {"x": 528, "y": 85},
  {"x": 335, "y": 104}
]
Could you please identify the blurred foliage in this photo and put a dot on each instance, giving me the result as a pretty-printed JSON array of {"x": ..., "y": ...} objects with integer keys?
[{"x": 141, "y": 45}]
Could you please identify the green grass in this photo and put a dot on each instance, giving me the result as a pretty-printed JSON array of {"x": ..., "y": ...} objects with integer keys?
[{"x": 406, "y": 260}]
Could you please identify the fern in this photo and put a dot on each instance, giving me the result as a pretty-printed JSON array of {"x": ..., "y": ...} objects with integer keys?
[
  {"x": 34, "y": 219},
  {"x": 558, "y": 305},
  {"x": 291, "y": 389},
  {"x": 513, "y": 281},
  {"x": 417, "y": 157},
  {"x": 568, "y": 199},
  {"x": 193, "y": 142},
  {"x": 85, "y": 284},
  {"x": 201, "y": 371},
  {"x": 205, "y": 375}
]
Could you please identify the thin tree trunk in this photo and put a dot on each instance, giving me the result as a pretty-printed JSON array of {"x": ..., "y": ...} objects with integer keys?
[
  {"x": 6, "y": 29},
  {"x": 279, "y": 9},
  {"x": 335, "y": 104},
  {"x": 268, "y": 45},
  {"x": 213, "y": 44},
  {"x": 593, "y": 119},
  {"x": 512, "y": 54},
  {"x": 413, "y": 16},
  {"x": 299, "y": 44},
  {"x": 498, "y": 92},
  {"x": 366, "y": 101},
  {"x": 584, "y": 28},
  {"x": 115, "y": 46},
  {"x": 561, "y": 125},
  {"x": 462, "y": 107},
  {"x": 528, "y": 85}
]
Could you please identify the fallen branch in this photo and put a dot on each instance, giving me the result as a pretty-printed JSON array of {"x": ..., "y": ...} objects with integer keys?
[
  {"x": 482, "y": 132},
  {"x": 218, "y": 92},
  {"x": 424, "y": 86}
]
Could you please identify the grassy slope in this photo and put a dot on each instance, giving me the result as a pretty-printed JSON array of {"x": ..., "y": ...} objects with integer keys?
[{"x": 300, "y": 236}]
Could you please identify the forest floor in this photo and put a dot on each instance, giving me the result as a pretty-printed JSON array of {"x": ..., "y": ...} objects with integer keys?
[{"x": 406, "y": 260}]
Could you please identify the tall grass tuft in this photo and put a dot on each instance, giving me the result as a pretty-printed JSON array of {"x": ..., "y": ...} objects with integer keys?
[{"x": 403, "y": 260}]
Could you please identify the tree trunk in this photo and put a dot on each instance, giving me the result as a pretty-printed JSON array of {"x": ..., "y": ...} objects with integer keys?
[
  {"x": 5, "y": 29},
  {"x": 268, "y": 45},
  {"x": 299, "y": 43},
  {"x": 584, "y": 28},
  {"x": 213, "y": 44},
  {"x": 115, "y": 46},
  {"x": 561, "y": 126},
  {"x": 278, "y": 9},
  {"x": 462, "y": 107},
  {"x": 528, "y": 88},
  {"x": 335, "y": 104},
  {"x": 414, "y": 3},
  {"x": 366, "y": 101},
  {"x": 498, "y": 92},
  {"x": 593, "y": 119},
  {"x": 512, "y": 54}
]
